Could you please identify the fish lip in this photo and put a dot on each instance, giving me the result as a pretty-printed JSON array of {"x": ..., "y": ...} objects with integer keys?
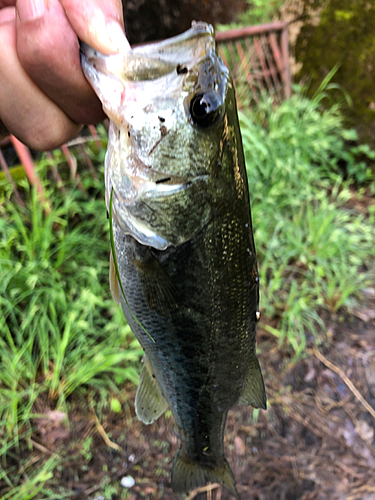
[
  {"x": 85, "y": 50},
  {"x": 92, "y": 57},
  {"x": 198, "y": 29},
  {"x": 93, "y": 61},
  {"x": 173, "y": 52}
]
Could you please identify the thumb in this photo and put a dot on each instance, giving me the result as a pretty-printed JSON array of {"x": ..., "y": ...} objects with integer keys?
[
  {"x": 98, "y": 23},
  {"x": 48, "y": 50}
]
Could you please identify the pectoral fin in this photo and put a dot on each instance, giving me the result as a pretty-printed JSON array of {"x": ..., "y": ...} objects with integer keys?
[
  {"x": 162, "y": 294},
  {"x": 254, "y": 393},
  {"x": 149, "y": 400},
  {"x": 113, "y": 281}
]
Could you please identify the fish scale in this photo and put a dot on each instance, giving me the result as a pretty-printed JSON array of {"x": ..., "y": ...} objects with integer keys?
[{"x": 183, "y": 241}]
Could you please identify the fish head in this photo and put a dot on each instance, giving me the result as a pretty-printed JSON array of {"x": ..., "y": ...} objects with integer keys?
[{"x": 167, "y": 106}]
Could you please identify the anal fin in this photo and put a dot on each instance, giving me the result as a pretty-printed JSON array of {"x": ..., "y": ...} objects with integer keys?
[
  {"x": 254, "y": 393},
  {"x": 149, "y": 400}
]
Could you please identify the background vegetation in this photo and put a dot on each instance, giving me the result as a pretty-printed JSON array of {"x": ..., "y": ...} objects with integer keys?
[
  {"x": 60, "y": 329},
  {"x": 61, "y": 333},
  {"x": 63, "y": 341},
  {"x": 315, "y": 250},
  {"x": 337, "y": 33}
]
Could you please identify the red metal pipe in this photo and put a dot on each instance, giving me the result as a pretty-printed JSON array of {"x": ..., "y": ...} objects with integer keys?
[
  {"x": 284, "y": 42},
  {"x": 260, "y": 29},
  {"x": 27, "y": 161}
]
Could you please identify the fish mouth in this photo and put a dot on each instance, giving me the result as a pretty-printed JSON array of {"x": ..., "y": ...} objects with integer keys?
[
  {"x": 126, "y": 66},
  {"x": 151, "y": 61},
  {"x": 110, "y": 75}
]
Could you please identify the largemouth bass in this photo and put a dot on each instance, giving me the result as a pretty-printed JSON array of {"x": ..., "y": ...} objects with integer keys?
[{"x": 177, "y": 192}]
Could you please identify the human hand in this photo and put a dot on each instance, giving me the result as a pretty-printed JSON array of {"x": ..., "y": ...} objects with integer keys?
[{"x": 44, "y": 96}]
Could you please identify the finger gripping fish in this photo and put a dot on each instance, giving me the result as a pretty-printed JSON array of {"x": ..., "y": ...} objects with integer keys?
[{"x": 182, "y": 233}]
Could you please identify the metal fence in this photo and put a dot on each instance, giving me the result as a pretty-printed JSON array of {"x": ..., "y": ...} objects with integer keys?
[{"x": 258, "y": 59}]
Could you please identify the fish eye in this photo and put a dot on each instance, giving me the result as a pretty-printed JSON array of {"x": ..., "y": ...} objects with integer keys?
[{"x": 205, "y": 109}]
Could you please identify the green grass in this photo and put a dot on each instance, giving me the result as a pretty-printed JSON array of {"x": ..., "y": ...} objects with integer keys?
[
  {"x": 314, "y": 251},
  {"x": 61, "y": 334},
  {"x": 60, "y": 329}
]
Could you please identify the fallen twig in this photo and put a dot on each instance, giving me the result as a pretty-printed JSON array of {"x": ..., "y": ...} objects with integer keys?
[
  {"x": 366, "y": 488},
  {"x": 204, "y": 489},
  {"x": 102, "y": 432},
  {"x": 347, "y": 381},
  {"x": 43, "y": 449}
]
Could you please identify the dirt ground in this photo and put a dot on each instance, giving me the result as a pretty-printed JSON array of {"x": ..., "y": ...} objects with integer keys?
[{"x": 315, "y": 441}]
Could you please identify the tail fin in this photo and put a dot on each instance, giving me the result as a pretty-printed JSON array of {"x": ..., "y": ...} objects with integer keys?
[{"x": 188, "y": 475}]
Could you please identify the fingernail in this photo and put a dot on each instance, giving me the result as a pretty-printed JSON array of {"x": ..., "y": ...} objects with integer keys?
[
  {"x": 109, "y": 36},
  {"x": 29, "y": 10},
  {"x": 117, "y": 36}
]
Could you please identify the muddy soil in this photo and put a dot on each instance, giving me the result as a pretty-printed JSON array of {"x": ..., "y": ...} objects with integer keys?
[{"x": 315, "y": 441}]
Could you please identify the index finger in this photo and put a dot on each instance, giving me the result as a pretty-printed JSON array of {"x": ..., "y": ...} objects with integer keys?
[{"x": 98, "y": 23}]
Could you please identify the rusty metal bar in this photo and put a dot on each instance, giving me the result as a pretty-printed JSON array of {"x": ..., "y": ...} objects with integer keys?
[
  {"x": 249, "y": 75},
  {"x": 246, "y": 63},
  {"x": 27, "y": 161},
  {"x": 88, "y": 161},
  {"x": 271, "y": 66},
  {"x": 233, "y": 56},
  {"x": 265, "y": 70},
  {"x": 268, "y": 66},
  {"x": 284, "y": 42},
  {"x": 253, "y": 74},
  {"x": 94, "y": 133},
  {"x": 72, "y": 162},
  {"x": 225, "y": 60},
  {"x": 277, "y": 55},
  {"x": 260, "y": 29}
]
